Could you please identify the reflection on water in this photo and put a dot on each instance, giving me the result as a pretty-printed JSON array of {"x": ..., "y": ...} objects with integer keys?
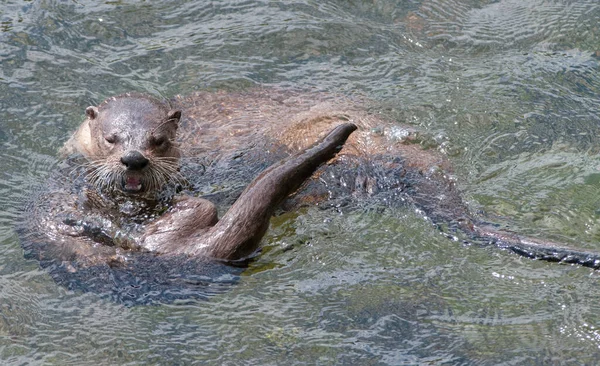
[{"x": 509, "y": 90}]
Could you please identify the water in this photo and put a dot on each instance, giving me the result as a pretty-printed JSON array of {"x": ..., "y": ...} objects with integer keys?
[{"x": 508, "y": 89}]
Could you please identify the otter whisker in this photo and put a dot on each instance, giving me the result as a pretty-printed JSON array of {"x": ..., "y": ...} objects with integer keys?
[
  {"x": 103, "y": 174},
  {"x": 82, "y": 169},
  {"x": 168, "y": 171}
]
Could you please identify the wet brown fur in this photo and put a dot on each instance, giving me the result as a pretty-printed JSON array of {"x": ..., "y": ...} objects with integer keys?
[
  {"x": 146, "y": 128},
  {"x": 214, "y": 125}
]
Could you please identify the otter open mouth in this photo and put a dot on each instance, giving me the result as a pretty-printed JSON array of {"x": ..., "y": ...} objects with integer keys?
[{"x": 132, "y": 184}]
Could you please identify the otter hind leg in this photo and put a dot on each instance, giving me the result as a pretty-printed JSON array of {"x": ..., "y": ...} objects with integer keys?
[
  {"x": 188, "y": 217},
  {"x": 240, "y": 230}
]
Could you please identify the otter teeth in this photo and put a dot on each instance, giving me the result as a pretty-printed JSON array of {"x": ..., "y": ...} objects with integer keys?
[{"x": 132, "y": 184}]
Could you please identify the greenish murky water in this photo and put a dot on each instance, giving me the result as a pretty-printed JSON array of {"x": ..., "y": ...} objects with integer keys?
[{"x": 510, "y": 90}]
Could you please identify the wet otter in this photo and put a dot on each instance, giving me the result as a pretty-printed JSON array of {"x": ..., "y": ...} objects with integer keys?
[
  {"x": 130, "y": 152},
  {"x": 121, "y": 197}
]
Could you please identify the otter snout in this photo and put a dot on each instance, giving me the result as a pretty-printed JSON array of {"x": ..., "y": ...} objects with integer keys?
[{"x": 134, "y": 160}]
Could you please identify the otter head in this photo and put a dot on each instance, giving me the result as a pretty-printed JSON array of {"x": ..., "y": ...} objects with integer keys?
[{"x": 131, "y": 144}]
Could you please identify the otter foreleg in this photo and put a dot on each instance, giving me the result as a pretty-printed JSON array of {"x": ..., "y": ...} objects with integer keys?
[{"x": 240, "y": 230}]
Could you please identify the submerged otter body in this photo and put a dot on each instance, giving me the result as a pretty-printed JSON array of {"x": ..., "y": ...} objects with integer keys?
[{"x": 133, "y": 209}]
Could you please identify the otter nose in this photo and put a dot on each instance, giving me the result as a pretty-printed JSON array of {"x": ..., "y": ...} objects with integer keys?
[{"x": 134, "y": 160}]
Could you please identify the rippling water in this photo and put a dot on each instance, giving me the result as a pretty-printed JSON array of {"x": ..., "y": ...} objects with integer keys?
[{"x": 508, "y": 89}]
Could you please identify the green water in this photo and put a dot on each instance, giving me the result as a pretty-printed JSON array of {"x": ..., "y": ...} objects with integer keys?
[{"x": 509, "y": 90}]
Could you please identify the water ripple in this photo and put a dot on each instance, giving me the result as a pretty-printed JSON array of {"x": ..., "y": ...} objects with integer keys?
[{"x": 508, "y": 89}]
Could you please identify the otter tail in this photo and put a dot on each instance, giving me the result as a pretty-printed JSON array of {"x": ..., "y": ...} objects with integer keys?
[
  {"x": 536, "y": 248},
  {"x": 240, "y": 230}
]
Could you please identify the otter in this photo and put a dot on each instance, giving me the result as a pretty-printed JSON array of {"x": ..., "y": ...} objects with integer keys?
[
  {"x": 131, "y": 154},
  {"x": 143, "y": 179}
]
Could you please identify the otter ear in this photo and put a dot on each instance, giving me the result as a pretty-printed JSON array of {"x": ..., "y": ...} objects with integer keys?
[
  {"x": 91, "y": 112},
  {"x": 174, "y": 115}
]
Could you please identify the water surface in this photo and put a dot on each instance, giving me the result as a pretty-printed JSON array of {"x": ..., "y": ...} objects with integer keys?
[{"x": 509, "y": 90}]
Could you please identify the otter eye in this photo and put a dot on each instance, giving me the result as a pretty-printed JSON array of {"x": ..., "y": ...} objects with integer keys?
[
  {"x": 158, "y": 141},
  {"x": 111, "y": 139}
]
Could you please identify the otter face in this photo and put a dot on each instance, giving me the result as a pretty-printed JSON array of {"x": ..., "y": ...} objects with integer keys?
[{"x": 133, "y": 144}]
